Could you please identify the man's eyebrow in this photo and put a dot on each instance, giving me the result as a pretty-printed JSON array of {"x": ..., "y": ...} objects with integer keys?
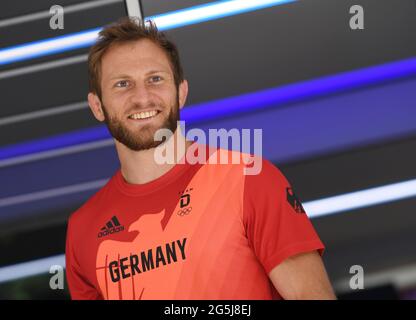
[
  {"x": 120, "y": 76},
  {"x": 156, "y": 71},
  {"x": 126, "y": 76}
]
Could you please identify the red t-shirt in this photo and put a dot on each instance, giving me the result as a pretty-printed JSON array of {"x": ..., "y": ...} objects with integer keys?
[{"x": 200, "y": 231}]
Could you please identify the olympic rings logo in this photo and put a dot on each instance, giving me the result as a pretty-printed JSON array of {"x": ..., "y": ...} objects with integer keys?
[{"x": 184, "y": 211}]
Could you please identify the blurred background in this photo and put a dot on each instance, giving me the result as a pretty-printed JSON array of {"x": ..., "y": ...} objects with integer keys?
[{"x": 337, "y": 107}]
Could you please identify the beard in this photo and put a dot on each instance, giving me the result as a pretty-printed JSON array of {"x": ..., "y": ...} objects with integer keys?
[{"x": 143, "y": 138}]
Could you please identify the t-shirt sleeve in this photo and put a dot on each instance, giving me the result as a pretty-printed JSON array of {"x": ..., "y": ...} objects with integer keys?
[
  {"x": 277, "y": 226},
  {"x": 79, "y": 286}
]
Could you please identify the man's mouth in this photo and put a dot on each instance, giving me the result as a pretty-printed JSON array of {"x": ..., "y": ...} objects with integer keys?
[{"x": 144, "y": 115}]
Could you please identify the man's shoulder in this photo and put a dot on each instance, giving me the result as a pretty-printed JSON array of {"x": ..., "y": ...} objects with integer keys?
[
  {"x": 262, "y": 174},
  {"x": 255, "y": 165},
  {"x": 254, "y": 169},
  {"x": 93, "y": 204}
]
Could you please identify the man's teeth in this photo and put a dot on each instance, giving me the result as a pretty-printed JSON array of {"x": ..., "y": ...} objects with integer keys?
[{"x": 143, "y": 115}]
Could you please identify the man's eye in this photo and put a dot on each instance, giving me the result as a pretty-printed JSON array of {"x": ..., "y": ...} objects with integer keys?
[
  {"x": 122, "y": 84},
  {"x": 155, "y": 79}
]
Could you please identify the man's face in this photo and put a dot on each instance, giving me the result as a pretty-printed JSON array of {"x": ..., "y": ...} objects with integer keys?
[{"x": 139, "y": 95}]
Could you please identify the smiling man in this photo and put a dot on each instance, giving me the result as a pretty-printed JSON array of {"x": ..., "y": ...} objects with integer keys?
[{"x": 181, "y": 230}]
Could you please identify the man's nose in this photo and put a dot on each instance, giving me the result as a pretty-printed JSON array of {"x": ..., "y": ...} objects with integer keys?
[{"x": 141, "y": 95}]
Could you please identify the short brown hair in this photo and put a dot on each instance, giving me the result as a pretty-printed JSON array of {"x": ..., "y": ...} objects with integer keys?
[{"x": 127, "y": 30}]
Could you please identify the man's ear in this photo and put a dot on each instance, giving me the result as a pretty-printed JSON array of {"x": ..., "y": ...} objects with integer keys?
[
  {"x": 183, "y": 93},
  {"x": 95, "y": 105}
]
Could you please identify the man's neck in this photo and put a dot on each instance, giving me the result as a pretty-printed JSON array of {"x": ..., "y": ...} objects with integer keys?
[{"x": 139, "y": 167}]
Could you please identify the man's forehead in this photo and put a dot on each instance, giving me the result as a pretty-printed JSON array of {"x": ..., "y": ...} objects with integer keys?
[{"x": 143, "y": 55}]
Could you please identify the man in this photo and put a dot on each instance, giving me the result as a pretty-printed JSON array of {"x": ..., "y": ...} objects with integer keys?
[{"x": 180, "y": 230}]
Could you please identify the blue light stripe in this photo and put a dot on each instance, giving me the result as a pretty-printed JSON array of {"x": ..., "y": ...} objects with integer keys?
[
  {"x": 235, "y": 105},
  {"x": 36, "y": 49},
  {"x": 211, "y": 11},
  {"x": 55, "y": 142},
  {"x": 361, "y": 199},
  {"x": 166, "y": 21},
  {"x": 302, "y": 90}
]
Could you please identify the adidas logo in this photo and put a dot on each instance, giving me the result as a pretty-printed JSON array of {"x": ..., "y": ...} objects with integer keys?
[{"x": 112, "y": 226}]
